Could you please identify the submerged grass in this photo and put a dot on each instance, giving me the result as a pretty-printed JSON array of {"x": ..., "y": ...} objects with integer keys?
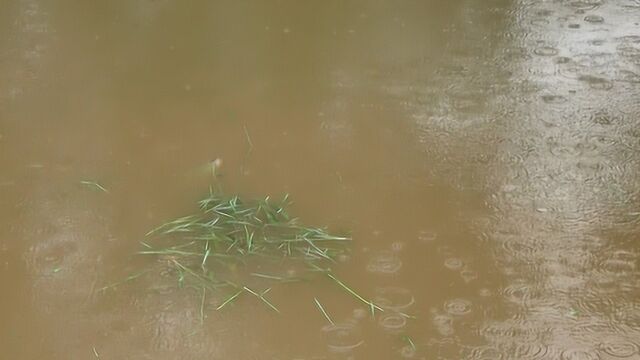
[{"x": 233, "y": 246}]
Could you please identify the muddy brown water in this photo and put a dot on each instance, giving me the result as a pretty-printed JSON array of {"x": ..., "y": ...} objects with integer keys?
[{"x": 484, "y": 155}]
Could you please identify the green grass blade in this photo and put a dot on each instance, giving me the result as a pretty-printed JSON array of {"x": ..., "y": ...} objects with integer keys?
[
  {"x": 230, "y": 299},
  {"x": 263, "y": 299},
  {"x": 204, "y": 258},
  {"x": 265, "y": 276},
  {"x": 204, "y": 295},
  {"x": 372, "y": 306},
  {"x": 94, "y": 185},
  {"x": 126, "y": 280},
  {"x": 321, "y": 308}
]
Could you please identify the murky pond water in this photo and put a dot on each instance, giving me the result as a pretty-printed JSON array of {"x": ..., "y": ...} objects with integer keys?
[{"x": 484, "y": 156}]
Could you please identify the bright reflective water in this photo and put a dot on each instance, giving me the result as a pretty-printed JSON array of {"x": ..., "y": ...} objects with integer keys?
[{"x": 484, "y": 156}]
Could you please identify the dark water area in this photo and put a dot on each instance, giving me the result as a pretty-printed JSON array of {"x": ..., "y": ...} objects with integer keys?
[{"x": 483, "y": 155}]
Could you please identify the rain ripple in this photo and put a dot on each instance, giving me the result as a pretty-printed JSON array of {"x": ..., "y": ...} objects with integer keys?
[
  {"x": 594, "y": 303},
  {"x": 393, "y": 323},
  {"x": 342, "y": 338},
  {"x": 426, "y": 236},
  {"x": 515, "y": 330},
  {"x": 546, "y": 51},
  {"x": 594, "y": 19},
  {"x": 458, "y": 307},
  {"x": 628, "y": 77},
  {"x": 579, "y": 354},
  {"x": 618, "y": 263},
  {"x": 394, "y": 298},
  {"x": 484, "y": 353},
  {"x": 627, "y": 316},
  {"x": 554, "y": 99},
  {"x": 384, "y": 262},
  {"x": 532, "y": 351},
  {"x": 443, "y": 324},
  {"x": 453, "y": 263},
  {"x": 468, "y": 275},
  {"x": 618, "y": 348},
  {"x": 596, "y": 83},
  {"x": 586, "y": 4}
]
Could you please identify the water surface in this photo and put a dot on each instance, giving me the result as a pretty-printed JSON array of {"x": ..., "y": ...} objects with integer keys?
[{"x": 483, "y": 155}]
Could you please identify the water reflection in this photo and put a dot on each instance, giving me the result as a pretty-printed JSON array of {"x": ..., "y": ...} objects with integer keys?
[
  {"x": 559, "y": 169},
  {"x": 559, "y": 236}
]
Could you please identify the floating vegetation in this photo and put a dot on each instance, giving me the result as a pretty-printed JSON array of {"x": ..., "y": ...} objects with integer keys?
[{"x": 236, "y": 248}]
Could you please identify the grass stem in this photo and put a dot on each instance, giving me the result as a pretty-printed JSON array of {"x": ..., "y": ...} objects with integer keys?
[{"x": 322, "y": 310}]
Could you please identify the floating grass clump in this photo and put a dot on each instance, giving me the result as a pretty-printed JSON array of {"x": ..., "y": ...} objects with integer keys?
[
  {"x": 234, "y": 247},
  {"x": 233, "y": 228}
]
